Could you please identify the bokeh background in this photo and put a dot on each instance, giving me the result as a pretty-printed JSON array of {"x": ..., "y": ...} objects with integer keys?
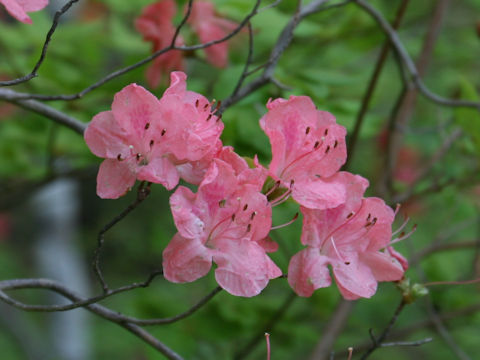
[{"x": 50, "y": 214}]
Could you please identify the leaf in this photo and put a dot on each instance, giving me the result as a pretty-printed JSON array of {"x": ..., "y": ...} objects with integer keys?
[{"x": 469, "y": 119}]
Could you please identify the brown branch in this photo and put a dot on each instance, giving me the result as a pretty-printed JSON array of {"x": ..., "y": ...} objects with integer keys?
[
  {"x": 97, "y": 309},
  {"x": 43, "y": 54}
]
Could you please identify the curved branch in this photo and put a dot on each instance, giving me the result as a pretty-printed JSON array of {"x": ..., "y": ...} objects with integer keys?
[
  {"x": 99, "y": 310},
  {"x": 407, "y": 60},
  {"x": 45, "y": 110},
  {"x": 43, "y": 54}
]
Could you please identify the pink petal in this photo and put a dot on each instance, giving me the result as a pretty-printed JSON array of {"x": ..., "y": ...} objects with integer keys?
[
  {"x": 185, "y": 260},
  {"x": 354, "y": 278},
  {"x": 160, "y": 170},
  {"x": 133, "y": 108},
  {"x": 319, "y": 193},
  {"x": 383, "y": 266},
  {"x": 105, "y": 138},
  {"x": 114, "y": 178},
  {"x": 194, "y": 171},
  {"x": 185, "y": 214},
  {"x": 243, "y": 268},
  {"x": 268, "y": 244},
  {"x": 16, "y": 10},
  {"x": 308, "y": 271},
  {"x": 32, "y": 5},
  {"x": 399, "y": 257}
]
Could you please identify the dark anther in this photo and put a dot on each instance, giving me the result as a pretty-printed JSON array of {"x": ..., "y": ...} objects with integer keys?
[
  {"x": 147, "y": 125},
  {"x": 138, "y": 156},
  {"x": 374, "y": 221},
  {"x": 292, "y": 182},
  {"x": 209, "y": 117},
  {"x": 218, "y": 105},
  {"x": 205, "y": 106},
  {"x": 219, "y": 118},
  {"x": 245, "y": 207},
  {"x": 335, "y": 145},
  {"x": 253, "y": 215},
  {"x": 151, "y": 143},
  {"x": 327, "y": 149},
  {"x": 350, "y": 215},
  {"x": 368, "y": 217},
  {"x": 119, "y": 157},
  {"x": 316, "y": 144},
  {"x": 249, "y": 227},
  {"x": 326, "y": 132},
  {"x": 347, "y": 262},
  {"x": 196, "y": 103},
  {"x": 233, "y": 217},
  {"x": 307, "y": 130},
  {"x": 163, "y": 132},
  {"x": 222, "y": 203}
]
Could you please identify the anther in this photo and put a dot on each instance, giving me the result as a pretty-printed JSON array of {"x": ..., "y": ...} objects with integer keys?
[
  {"x": 196, "y": 103},
  {"x": 119, "y": 157},
  {"x": 233, "y": 217},
  {"x": 327, "y": 149},
  {"x": 307, "y": 130},
  {"x": 369, "y": 216},
  {"x": 326, "y": 132},
  {"x": 249, "y": 227},
  {"x": 205, "y": 107},
  {"x": 350, "y": 215},
  {"x": 138, "y": 156},
  {"x": 292, "y": 182},
  {"x": 147, "y": 125},
  {"x": 219, "y": 118},
  {"x": 151, "y": 143},
  {"x": 347, "y": 262},
  {"x": 253, "y": 215},
  {"x": 335, "y": 145},
  {"x": 245, "y": 207},
  {"x": 163, "y": 132},
  {"x": 209, "y": 117},
  {"x": 316, "y": 144}
]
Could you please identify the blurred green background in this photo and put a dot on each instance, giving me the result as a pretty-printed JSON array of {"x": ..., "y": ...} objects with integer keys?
[{"x": 331, "y": 59}]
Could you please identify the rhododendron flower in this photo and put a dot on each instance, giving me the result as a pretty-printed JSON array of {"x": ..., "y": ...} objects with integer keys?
[
  {"x": 308, "y": 148},
  {"x": 227, "y": 222},
  {"x": 155, "y": 24},
  {"x": 144, "y": 138},
  {"x": 210, "y": 27},
  {"x": 354, "y": 239},
  {"x": 19, "y": 8}
]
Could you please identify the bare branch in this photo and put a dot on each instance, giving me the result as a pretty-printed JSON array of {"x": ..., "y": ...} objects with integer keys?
[
  {"x": 99, "y": 310},
  {"x": 43, "y": 54},
  {"x": 45, "y": 110},
  {"x": 407, "y": 60}
]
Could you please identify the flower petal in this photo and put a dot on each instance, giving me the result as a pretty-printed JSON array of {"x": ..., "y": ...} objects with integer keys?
[
  {"x": 353, "y": 277},
  {"x": 114, "y": 178},
  {"x": 159, "y": 171},
  {"x": 105, "y": 138},
  {"x": 383, "y": 266},
  {"x": 185, "y": 260},
  {"x": 308, "y": 271}
]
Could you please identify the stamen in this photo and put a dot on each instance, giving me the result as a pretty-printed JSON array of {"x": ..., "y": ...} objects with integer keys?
[
  {"x": 218, "y": 106},
  {"x": 405, "y": 222},
  {"x": 253, "y": 215},
  {"x": 209, "y": 117},
  {"x": 327, "y": 149},
  {"x": 147, "y": 125},
  {"x": 205, "y": 107},
  {"x": 326, "y": 132},
  {"x": 196, "y": 103},
  {"x": 338, "y": 253},
  {"x": 219, "y": 118},
  {"x": 267, "y": 338},
  {"x": 138, "y": 156},
  {"x": 368, "y": 217},
  {"x": 282, "y": 198},
  {"x": 336, "y": 144},
  {"x": 286, "y": 224},
  {"x": 292, "y": 182},
  {"x": 151, "y": 143},
  {"x": 307, "y": 130},
  {"x": 397, "y": 209},
  {"x": 233, "y": 217},
  {"x": 249, "y": 227},
  {"x": 119, "y": 157},
  {"x": 316, "y": 144},
  {"x": 163, "y": 132},
  {"x": 350, "y": 215},
  {"x": 245, "y": 207},
  {"x": 274, "y": 187},
  {"x": 404, "y": 236}
]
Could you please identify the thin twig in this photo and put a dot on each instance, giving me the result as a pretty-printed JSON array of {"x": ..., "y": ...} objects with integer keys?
[
  {"x": 352, "y": 140},
  {"x": 100, "y": 310},
  {"x": 142, "y": 193},
  {"x": 43, "y": 54}
]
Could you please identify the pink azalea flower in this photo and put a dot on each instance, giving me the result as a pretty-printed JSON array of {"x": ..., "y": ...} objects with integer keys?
[
  {"x": 308, "y": 148},
  {"x": 144, "y": 138},
  {"x": 155, "y": 24},
  {"x": 353, "y": 239},
  {"x": 226, "y": 222},
  {"x": 19, "y": 8},
  {"x": 210, "y": 27}
]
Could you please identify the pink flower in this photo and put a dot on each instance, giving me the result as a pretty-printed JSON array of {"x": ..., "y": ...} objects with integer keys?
[
  {"x": 210, "y": 27},
  {"x": 19, "y": 8},
  {"x": 144, "y": 138},
  {"x": 354, "y": 239},
  {"x": 226, "y": 222},
  {"x": 308, "y": 148},
  {"x": 155, "y": 24}
]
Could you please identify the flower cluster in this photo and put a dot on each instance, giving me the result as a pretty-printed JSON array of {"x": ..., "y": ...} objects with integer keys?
[
  {"x": 228, "y": 219},
  {"x": 156, "y": 25},
  {"x": 19, "y": 8}
]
